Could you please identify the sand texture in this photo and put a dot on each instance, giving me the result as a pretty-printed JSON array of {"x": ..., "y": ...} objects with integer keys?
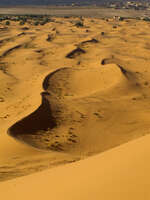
[
  {"x": 68, "y": 92},
  {"x": 121, "y": 173}
]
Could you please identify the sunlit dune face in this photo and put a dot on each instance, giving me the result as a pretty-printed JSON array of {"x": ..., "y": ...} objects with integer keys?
[
  {"x": 95, "y": 93},
  {"x": 80, "y": 82},
  {"x": 62, "y": 121}
]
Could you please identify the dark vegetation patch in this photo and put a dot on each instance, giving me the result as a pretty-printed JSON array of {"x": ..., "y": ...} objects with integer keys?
[
  {"x": 79, "y": 24},
  {"x": 50, "y": 37},
  {"x": 26, "y": 19}
]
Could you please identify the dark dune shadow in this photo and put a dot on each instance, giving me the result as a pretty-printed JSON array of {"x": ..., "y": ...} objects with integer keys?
[
  {"x": 106, "y": 61},
  {"x": 47, "y": 78},
  {"x": 88, "y": 42},
  {"x": 11, "y": 50},
  {"x": 75, "y": 53},
  {"x": 40, "y": 120},
  {"x": 31, "y": 128}
]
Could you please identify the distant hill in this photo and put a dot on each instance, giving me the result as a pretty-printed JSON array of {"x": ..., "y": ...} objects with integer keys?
[
  {"x": 54, "y": 2},
  {"x": 61, "y": 2}
]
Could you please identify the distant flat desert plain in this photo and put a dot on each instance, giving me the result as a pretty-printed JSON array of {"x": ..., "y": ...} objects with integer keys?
[
  {"x": 70, "y": 89},
  {"x": 59, "y": 11}
]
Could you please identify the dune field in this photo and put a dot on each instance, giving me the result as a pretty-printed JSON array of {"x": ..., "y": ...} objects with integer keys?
[{"x": 70, "y": 89}]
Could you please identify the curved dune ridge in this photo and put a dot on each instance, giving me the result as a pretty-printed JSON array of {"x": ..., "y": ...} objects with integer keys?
[
  {"x": 74, "y": 82},
  {"x": 62, "y": 121},
  {"x": 94, "y": 84},
  {"x": 64, "y": 88}
]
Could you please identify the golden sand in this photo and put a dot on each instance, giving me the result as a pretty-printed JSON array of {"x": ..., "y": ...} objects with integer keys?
[{"x": 69, "y": 92}]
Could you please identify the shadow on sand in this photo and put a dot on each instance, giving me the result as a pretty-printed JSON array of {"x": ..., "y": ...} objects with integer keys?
[{"x": 39, "y": 120}]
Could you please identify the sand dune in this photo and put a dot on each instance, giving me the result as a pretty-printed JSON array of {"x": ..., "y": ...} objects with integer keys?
[
  {"x": 69, "y": 92},
  {"x": 121, "y": 173}
]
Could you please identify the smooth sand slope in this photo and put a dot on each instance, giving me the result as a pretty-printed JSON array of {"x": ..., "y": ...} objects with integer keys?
[
  {"x": 71, "y": 91},
  {"x": 121, "y": 173}
]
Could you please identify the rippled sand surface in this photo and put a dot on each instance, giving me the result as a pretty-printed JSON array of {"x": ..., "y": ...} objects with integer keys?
[{"x": 70, "y": 92}]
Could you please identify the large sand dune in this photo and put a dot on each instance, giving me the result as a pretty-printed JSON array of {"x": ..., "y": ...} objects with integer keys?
[
  {"x": 68, "y": 92},
  {"x": 122, "y": 173}
]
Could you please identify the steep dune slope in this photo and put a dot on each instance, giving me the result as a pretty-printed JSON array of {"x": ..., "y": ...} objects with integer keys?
[{"x": 121, "y": 173}]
